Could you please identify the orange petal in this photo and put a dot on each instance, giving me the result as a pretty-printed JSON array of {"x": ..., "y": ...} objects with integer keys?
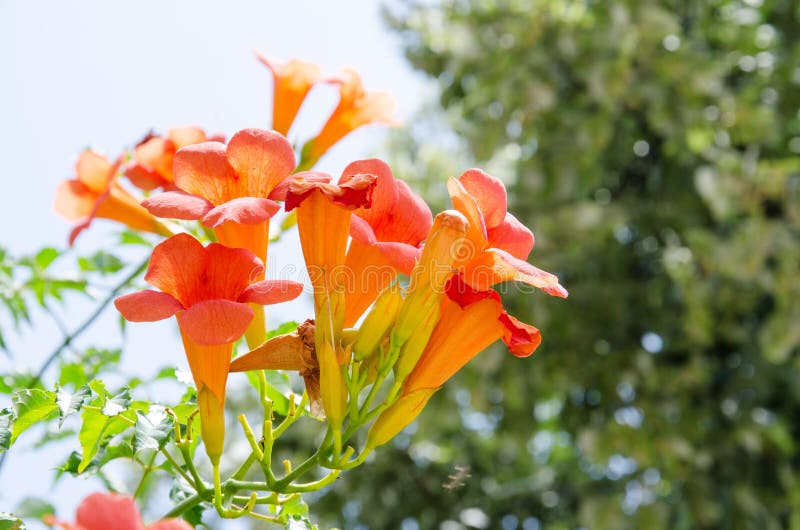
[
  {"x": 74, "y": 200},
  {"x": 147, "y": 306},
  {"x": 170, "y": 524},
  {"x": 369, "y": 272},
  {"x": 291, "y": 83},
  {"x": 459, "y": 336},
  {"x": 203, "y": 170},
  {"x": 489, "y": 192},
  {"x": 244, "y": 210},
  {"x": 93, "y": 169},
  {"x": 356, "y": 107},
  {"x": 187, "y": 135},
  {"x": 177, "y": 205},
  {"x": 102, "y": 511},
  {"x": 214, "y": 322},
  {"x": 493, "y": 266},
  {"x": 269, "y": 292},
  {"x": 468, "y": 206},
  {"x": 512, "y": 236},
  {"x": 520, "y": 338},
  {"x": 229, "y": 272},
  {"x": 261, "y": 159},
  {"x": 177, "y": 266}
]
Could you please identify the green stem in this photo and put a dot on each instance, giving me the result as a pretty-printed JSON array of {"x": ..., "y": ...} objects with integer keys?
[
  {"x": 178, "y": 468},
  {"x": 186, "y": 504}
]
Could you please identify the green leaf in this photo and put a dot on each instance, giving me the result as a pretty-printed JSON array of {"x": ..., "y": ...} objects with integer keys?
[
  {"x": 31, "y": 407},
  {"x": 102, "y": 262},
  {"x": 6, "y": 419},
  {"x": 69, "y": 404},
  {"x": 152, "y": 430},
  {"x": 129, "y": 237},
  {"x": 119, "y": 403},
  {"x": 34, "y": 508},
  {"x": 96, "y": 429},
  {"x": 286, "y": 327},
  {"x": 10, "y": 522},
  {"x": 45, "y": 257}
]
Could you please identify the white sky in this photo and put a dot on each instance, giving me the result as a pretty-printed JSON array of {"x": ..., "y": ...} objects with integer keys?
[{"x": 101, "y": 74}]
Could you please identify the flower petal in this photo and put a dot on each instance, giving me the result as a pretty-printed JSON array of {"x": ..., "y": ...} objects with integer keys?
[
  {"x": 147, "y": 306},
  {"x": 520, "y": 338},
  {"x": 170, "y": 524},
  {"x": 74, "y": 200},
  {"x": 103, "y": 511},
  {"x": 244, "y": 210},
  {"x": 284, "y": 352},
  {"x": 494, "y": 266},
  {"x": 94, "y": 170},
  {"x": 268, "y": 292},
  {"x": 467, "y": 205},
  {"x": 261, "y": 159},
  {"x": 203, "y": 169},
  {"x": 177, "y": 266},
  {"x": 401, "y": 255},
  {"x": 512, "y": 236},
  {"x": 214, "y": 322},
  {"x": 177, "y": 205},
  {"x": 352, "y": 192},
  {"x": 384, "y": 196},
  {"x": 229, "y": 271},
  {"x": 489, "y": 192},
  {"x": 361, "y": 231}
]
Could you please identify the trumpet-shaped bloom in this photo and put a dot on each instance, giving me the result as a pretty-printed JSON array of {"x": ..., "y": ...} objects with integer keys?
[
  {"x": 291, "y": 83},
  {"x": 356, "y": 108},
  {"x": 469, "y": 321},
  {"x": 229, "y": 188},
  {"x": 385, "y": 237},
  {"x": 151, "y": 166},
  {"x": 500, "y": 244},
  {"x": 324, "y": 211},
  {"x": 109, "y": 511},
  {"x": 209, "y": 290},
  {"x": 95, "y": 192}
]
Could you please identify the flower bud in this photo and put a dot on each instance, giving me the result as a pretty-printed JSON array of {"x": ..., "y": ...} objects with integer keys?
[
  {"x": 378, "y": 322},
  {"x": 444, "y": 247},
  {"x": 397, "y": 417}
]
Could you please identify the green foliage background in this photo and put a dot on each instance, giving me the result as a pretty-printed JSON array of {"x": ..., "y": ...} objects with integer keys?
[{"x": 653, "y": 147}]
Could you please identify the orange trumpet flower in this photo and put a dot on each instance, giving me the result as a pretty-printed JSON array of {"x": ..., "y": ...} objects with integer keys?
[
  {"x": 95, "y": 192},
  {"x": 151, "y": 166},
  {"x": 356, "y": 107},
  {"x": 291, "y": 83},
  {"x": 210, "y": 290},
  {"x": 385, "y": 237},
  {"x": 107, "y": 511},
  {"x": 231, "y": 190},
  {"x": 469, "y": 322},
  {"x": 501, "y": 243},
  {"x": 324, "y": 211}
]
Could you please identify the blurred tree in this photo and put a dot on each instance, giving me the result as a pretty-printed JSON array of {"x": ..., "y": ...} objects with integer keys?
[{"x": 652, "y": 145}]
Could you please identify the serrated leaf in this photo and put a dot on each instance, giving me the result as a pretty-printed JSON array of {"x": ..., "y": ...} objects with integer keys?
[
  {"x": 6, "y": 419},
  {"x": 96, "y": 429},
  {"x": 119, "y": 403},
  {"x": 31, "y": 407},
  {"x": 11, "y": 522},
  {"x": 69, "y": 404},
  {"x": 152, "y": 430}
]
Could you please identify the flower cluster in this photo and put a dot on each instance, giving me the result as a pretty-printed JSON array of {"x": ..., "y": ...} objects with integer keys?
[{"x": 401, "y": 297}]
